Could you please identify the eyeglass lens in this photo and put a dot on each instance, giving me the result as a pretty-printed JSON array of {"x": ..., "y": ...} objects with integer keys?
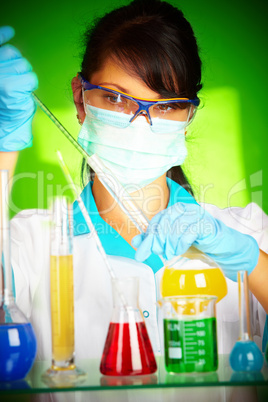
[{"x": 103, "y": 99}]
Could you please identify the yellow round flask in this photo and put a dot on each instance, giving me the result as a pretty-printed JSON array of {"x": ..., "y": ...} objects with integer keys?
[{"x": 193, "y": 274}]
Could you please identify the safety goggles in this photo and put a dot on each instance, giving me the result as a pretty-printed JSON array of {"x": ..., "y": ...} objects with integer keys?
[{"x": 176, "y": 109}]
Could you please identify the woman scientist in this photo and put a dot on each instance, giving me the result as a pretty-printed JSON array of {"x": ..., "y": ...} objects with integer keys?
[{"x": 135, "y": 95}]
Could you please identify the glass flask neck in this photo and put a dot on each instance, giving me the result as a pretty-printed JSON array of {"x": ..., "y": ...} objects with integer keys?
[
  {"x": 125, "y": 292},
  {"x": 6, "y": 279},
  {"x": 127, "y": 350},
  {"x": 244, "y": 310},
  {"x": 7, "y": 298}
]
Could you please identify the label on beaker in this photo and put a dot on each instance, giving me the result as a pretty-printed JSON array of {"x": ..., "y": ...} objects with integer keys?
[{"x": 190, "y": 345}]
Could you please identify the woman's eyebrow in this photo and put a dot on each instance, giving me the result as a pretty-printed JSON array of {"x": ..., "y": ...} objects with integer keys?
[
  {"x": 111, "y": 84},
  {"x": 121, "y": 89}
]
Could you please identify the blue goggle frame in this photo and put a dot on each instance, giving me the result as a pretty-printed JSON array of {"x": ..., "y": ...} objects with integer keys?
[{"x": 144, "y": 104}]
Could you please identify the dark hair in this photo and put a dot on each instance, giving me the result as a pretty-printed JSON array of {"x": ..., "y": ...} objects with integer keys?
[{"x": 154, "y": 41}]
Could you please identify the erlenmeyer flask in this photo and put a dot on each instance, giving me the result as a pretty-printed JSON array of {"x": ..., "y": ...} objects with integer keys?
[
  {"x": 17, "y": 339},
  {"x": 193, "y": 274},
  {"x": 127, "y": 350}
]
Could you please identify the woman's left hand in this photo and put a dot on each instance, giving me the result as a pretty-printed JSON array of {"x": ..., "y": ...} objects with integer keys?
[{"x": 172, "y": 231}]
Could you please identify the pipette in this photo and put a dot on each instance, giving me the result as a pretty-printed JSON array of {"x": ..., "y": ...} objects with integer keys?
[
  {"x": 111, "y": 183},
  {"x": 90, "y": 224},
  {"x": 85, "y": 214},
  {"x": 245, "y": 355}
]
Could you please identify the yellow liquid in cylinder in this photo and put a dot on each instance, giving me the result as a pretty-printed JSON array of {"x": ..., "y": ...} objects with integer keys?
[
  {"x": 193, "y": 282},
  {"x": 62, "y": 307}
]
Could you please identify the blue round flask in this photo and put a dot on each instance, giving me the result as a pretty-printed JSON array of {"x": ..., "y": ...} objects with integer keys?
[{"x": 17, "y": 339}]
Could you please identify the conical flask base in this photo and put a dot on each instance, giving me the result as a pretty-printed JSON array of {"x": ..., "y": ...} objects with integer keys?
[{"x": 127, "y": 350}]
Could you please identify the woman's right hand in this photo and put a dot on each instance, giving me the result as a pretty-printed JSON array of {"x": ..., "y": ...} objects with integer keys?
[
  {"x": 17, "y": 107},
  {"x": 172, "y": 231}
]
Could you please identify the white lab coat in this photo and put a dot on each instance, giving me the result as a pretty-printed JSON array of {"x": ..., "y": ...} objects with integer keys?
[{"x": 92, "y": 286}]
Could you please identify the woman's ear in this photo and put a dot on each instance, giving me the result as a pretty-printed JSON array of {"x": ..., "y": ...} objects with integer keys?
[{"x": 78, "y": 99}]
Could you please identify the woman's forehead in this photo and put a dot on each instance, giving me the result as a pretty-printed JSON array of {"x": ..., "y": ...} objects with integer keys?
[{"x": 114, "y": 76}]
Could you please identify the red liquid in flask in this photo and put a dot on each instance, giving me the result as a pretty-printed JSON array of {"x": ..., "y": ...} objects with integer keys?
[{"x": 127, "y": 350}]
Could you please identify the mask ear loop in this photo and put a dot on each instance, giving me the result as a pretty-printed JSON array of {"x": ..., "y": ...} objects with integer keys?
[
  {"x": 190, "y": 118},
  {"x": 83, "y": 97}
]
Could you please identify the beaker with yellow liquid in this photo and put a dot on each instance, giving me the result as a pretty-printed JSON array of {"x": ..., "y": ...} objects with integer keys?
[
  {"x": 63, "y": 371},
  {"x": 193, "y": 274}
]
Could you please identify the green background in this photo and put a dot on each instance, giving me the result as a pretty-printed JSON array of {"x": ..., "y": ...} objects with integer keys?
[{"x": 227, "y": 142}]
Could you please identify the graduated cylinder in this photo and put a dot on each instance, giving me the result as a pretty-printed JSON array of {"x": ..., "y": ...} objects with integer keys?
[{"x": 61, "y": 285}]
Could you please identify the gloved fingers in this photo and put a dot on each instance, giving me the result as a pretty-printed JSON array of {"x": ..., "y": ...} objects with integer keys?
[
  {"x": 158, "y": 247},
  {"x": 18, "y": 113},
  {"x": 9, "y": 52},
  {"x": 174, "y": 227},
  {"x": 11, "y": 90},
  {"x": 189, "y": 212},
  {"x": 163, "y": 222},
  {"x": 26, "y": 82},
  {"x": 169, "y": 251},
  {"x": 153, "y": 224},
  {"x": 166, "y": 228},
  {"x": 14, "y": 67},
  {"x": 17, "y": 107},
  {"x": 137, "y": 240},
  {"x": 18, "y": 139},
  {"x": 144, "y": 250},
  {"x": 177, "y": 209},
  {"x": 185, "y": 241},
  {"x": 172, "y": 231},
  {"x": 177, "y": 245},
  {"x": 151, "y": 229},
  {"x": 6, "y": 33}
]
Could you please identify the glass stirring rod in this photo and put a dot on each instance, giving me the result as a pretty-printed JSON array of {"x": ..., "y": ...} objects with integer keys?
[
  {"x": 111, "y": 183},
  {"x": 90, "y": 225}
]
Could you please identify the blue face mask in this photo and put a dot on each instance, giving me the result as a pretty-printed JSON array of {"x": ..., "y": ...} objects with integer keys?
[{"x": 137, "y": 154}]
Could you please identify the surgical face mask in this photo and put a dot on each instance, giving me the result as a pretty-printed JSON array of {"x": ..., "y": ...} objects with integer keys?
[{"x": 137, "y": 154}]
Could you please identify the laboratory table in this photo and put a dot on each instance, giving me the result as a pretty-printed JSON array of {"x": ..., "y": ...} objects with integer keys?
[{"x": 222, "y": 385}]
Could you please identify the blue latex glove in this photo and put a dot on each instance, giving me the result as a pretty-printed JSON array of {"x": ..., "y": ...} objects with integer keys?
[
  {"x": 17, "y": 106},
  {"x": 172, "y": 231}
]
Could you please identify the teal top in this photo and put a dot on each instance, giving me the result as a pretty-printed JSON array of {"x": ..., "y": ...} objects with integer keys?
[{"x": 112, "y": 242}]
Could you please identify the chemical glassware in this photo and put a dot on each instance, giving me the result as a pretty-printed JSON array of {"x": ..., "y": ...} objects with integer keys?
[
  {"x": 127, "y": 349},
  {"x": 126, "y": 202},
  {"x": 132, "y": 334},
  {"x": 192, "y": 275},
  {"x": 245, "y": 355},
  {"x": 17, "y": 339},
  {"x": 63, "y": 369},
  {"x": 190, "y": 338}
]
